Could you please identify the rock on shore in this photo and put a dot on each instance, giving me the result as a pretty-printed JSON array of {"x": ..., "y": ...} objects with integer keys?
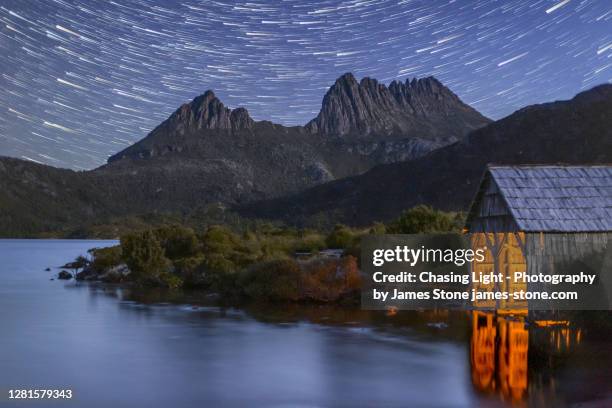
[{"x": 114, "y": 274}]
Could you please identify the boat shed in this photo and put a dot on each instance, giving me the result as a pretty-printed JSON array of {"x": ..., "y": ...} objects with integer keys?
[{"x": 542, "y": 218}]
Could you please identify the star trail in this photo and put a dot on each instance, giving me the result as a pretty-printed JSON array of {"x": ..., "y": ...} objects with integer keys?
[{"x": 81, "y": 80}]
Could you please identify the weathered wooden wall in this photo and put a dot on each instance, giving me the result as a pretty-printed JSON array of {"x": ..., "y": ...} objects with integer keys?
[{"x": 491, "y": 214}]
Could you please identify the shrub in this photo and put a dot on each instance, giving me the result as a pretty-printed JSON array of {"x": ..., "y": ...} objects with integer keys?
[
  {"x": 144, "y": 255},
  {"x": 340, "y": 237},
  {"x": 378, "y": 228},
  {"x": 311, "y": 241},
  {"x": 190, "y": 270},
  {"x": 275, "y": 280},
  {"x": 351, "y": 272},
  {"x": 169, "y": 280},
  {"x": 177, "y": 242},
  {"x": 422, "y": 219},
  {"x": 218, "y": 239},
  {"x": 218, "y": 273},
  {"x": 105, "y": 258},
  {"x": 328, "y": 280}
]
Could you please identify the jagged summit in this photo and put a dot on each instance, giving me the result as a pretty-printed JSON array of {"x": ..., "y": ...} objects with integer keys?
[
  {"x": 421, "y": 114},
  {"x": 412, "y": 94},
  {"x": 204, "y": 113},
  {"x": 208, "y": 112},
  {"x": 413, "y": 107}
]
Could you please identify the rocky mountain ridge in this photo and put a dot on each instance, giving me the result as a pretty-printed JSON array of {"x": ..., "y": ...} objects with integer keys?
[
  {"x": 411, "y": 107},
  {"x": 352, "y": 115},
  {"x": 577, "y": 131}
]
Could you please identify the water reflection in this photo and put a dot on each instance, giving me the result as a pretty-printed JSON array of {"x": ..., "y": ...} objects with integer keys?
[
  {"x": 525, "y": 361},
  {"x": 523, "y": 355},
  {"x": 498, "y": 355},
  {"x": 511, "y": 357}
]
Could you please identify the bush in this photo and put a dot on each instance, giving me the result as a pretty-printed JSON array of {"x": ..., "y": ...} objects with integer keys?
[
  {"x": 328, "y": 280},
  {"x": 144, "y": 255},
  {"x": 105, "y": 258},
  {"x": 169, "y": 280},
  {"x": 311, "y": 241},
  {"x": 422, "y": 219},
  {"x": 275, "y": 280},
  {"x": 190, "y": 270},
  {"x": 224, "y": 254},
  {"x": 218, "y": 273},
  {"x": 351, "y": 272},
  {"x": 340, "y": 237},
  {"x": 177, "y": 242},
  {"x": 378, "y": 229},
  {"x": 218, "y": 239}
]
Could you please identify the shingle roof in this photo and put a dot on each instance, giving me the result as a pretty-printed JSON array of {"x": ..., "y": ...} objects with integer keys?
[{"x": 557, "y": 198}]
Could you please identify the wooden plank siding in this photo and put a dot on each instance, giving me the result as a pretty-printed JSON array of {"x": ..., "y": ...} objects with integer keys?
[{"x": 492, "y": 213}]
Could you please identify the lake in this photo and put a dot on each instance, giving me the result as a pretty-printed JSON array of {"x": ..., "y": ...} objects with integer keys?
[{"x": 114, "y": 351}]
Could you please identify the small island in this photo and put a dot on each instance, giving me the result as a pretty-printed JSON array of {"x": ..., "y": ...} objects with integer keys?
[{"x": 268, "y": 263}]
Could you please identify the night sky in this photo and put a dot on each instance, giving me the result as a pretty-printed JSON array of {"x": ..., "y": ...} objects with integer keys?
[{"x": 83, "y": 79}]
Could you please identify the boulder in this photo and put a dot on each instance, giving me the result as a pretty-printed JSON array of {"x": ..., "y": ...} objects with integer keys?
[
  {"x": 64, "y": 275},
  {"x": 115, "y": 274},
  {"x": 86, "y": 274},
  {"x": 111, "y": 275}
]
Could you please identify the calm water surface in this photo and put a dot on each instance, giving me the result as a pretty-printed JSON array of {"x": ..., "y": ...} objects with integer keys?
[{"x": 115, "y": 352}]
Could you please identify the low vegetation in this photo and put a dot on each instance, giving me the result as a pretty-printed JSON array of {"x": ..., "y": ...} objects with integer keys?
[
  {"x": 263, "y": 262},
  {"x": 425, "y": 220}
]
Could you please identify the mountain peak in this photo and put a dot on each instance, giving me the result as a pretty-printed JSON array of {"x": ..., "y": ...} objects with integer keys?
[
  {"x": 367, "y": 106},
  {"x": 206, "y": 97},
  {"x": 346, "y": 79},
  {"x": 208, "y": 112},
  {"x": 204, "y": 113}
]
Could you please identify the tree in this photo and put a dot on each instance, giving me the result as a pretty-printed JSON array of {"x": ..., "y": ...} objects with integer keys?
[{"x": 79, "y": 263}]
